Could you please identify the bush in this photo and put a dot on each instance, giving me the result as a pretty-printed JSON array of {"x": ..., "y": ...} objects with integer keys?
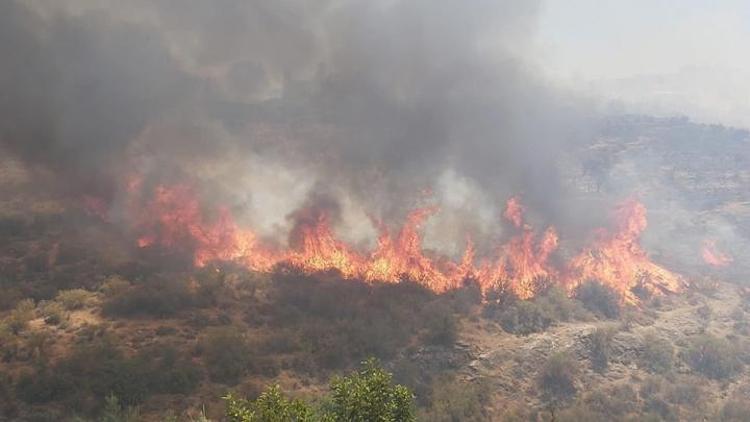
[
  {"x": 713, "y": 357},
  {"x": 53, "y": 313},
  {"x": 73, "y": 299},
  {"x": 658, "y": 354},
  {"x": 525, "y": 317},
  {"x": 558, "y": 376},
  {"x": 99, "y": 369},
  {"x": 157, "y": 298},
  {"x": 270, "y": 406},
  {"x": 20, "y": 316},
  {"x": 454, "y": 400},
  {"x": 599, "y": 299},
  {"x": 368, "y": 395},
  {"x": 226, "y": 354},
  {"x": 601, "y": 343},
  {"x": 441, "y": 328}
]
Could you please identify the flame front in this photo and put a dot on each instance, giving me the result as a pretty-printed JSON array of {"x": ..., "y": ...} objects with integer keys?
[{"x": 173, "y": 218}]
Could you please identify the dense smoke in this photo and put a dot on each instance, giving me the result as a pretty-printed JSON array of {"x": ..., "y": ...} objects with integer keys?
[{"x": 375, "y": 101}]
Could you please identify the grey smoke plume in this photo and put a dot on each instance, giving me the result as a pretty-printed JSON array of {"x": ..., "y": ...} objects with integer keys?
[{"x": 373, "y": 101}]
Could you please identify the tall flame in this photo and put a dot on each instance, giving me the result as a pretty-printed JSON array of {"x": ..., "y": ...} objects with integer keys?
[
  {"x": 172, "y": 217},
  {"x": 617, "y": 259}
]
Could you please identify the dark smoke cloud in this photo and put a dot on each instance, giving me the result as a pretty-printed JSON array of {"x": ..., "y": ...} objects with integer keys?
[{"x": 374, "y": 100}]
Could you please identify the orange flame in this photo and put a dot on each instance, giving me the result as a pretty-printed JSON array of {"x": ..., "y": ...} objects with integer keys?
[
  {"x": 618, "y": 260},
  {"x": 173, "y": 218},
  {"x": 713, "y": 256}
]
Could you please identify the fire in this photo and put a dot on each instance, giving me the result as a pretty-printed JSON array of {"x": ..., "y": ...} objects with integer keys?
[
  {"x": 713, "y": 256},
  {"x": 617, "y": 259},
  {"x": 172, "y": 217}
]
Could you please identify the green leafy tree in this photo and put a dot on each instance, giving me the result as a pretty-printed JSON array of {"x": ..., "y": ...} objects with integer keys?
[
  {"x": 271, "y": 406},
  {"x": 366, "y": 396},
  {"x": 370, "y": 395}
]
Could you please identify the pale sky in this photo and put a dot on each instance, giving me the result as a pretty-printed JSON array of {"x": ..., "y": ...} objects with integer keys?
[{"x": 658, "y": 56}]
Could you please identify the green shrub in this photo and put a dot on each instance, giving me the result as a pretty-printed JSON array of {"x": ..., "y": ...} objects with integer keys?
[
  {"x": 370, "y": 395},
  {"x": 713, "y": 357},
  {"x": 599, "y": 299},
  {"x": 658, "y": 353},
  {"x": 270, "y": 406},
  {"x": 558, "y": 376},
  {"x": 366, "y": 396}
]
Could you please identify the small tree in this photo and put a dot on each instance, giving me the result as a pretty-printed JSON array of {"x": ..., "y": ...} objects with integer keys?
[
  {"x": 271, "y": 406},
  {"x": 370, "y": 395},
  {"x": 366, "y": 396}
]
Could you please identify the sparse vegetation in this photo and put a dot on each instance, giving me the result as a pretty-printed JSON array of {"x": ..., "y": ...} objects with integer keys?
[
  {"x": 658, "y": 353},
  {"x": 557, "y": 378},
  {"x": 714, "y": 357},
  {"x": 601, "y": 343}
]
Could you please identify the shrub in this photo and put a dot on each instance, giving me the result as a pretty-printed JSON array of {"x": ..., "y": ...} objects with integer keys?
[
  {"x": 714, "y": 357},
  {"x": 658, "y": 353},
  {"x": 599, "y": 299},
  {"x": 454, "y": 400},
  {"x": 616, "y": 401},
  {"x": 601, "y": 344},
  {"x": 441, "y": 327},
  {"x": 157, "y": 298},
  {"x": 225, "y": 353},
  {"x": 53, "y": 313},
  {"x": 73, "y": 299},
  {"x": 558, "y": 376},
  {"x": 21, "y": 315},
  {"x": 525, "y": 317},
  {"x": 270, "y": 406},
  {"x": 370, "y": 395}
]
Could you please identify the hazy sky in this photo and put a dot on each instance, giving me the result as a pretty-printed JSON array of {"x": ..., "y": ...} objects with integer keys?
[{"x": 659, "y": 56}]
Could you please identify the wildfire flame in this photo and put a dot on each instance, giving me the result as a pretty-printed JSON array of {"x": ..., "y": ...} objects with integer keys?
[
  {"x": 713, "y": 256},
  {"x": 172, "y": 217}
]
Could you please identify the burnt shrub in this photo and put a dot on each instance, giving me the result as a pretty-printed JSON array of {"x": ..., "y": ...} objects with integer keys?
[
  {"x": 713, "y": 357},
  {"x": 598, "y": 298},
  {"x": 558, "y": 376}
]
